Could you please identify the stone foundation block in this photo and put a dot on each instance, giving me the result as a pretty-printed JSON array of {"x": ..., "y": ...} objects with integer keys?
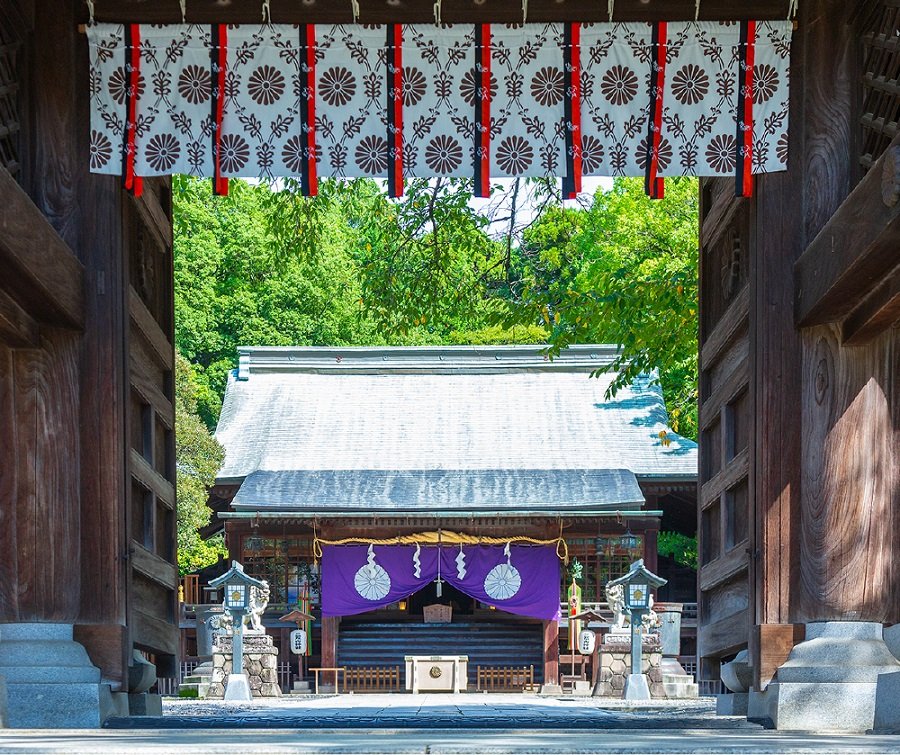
[
  {"x": 260, "y": 667},
  {"x": 736, "y": 704},
  {"x": 144, "y": 704},
  {"x": 887, "y": 704},
  {"x": 50, "y": 680}
]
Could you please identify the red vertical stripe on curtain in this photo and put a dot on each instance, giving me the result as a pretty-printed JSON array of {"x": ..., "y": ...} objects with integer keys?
[
  {"x": 744, "y": 141},
  {"x": 653, "y": 183},
  {"x": 395, "y": 109},
  {"x": 572, "y": 58},
  {"x": 219, "y": 57},
  {"x": 309, "y": 178},
  {"x": 133, "y": 183},
  {"x": 482, "y": 152}
]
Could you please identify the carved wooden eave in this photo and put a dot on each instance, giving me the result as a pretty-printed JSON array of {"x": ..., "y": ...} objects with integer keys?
[{"x": 851, "y": 270}]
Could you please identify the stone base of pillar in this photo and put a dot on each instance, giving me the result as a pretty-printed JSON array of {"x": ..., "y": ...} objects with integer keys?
[
  {"x": 636, "y": 687},
  {"x": 887, "y": 704},
  {"x": 2, "y": 703},
  {"x": 828, "y": 681},
  {"x": 50, "y": 680}
]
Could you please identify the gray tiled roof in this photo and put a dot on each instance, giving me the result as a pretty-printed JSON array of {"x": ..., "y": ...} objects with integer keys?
[
  {"x": 441, "y": 409},
  {"x": 440, "y": 492}
]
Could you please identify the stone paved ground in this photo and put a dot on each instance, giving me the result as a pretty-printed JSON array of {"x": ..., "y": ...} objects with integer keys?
[
  {"x": 437, "y": 711},
  {"x": 438, "y": 725}
]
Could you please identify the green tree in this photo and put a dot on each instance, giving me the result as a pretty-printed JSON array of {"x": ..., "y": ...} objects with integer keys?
[
  {"x": 198, "y": 458},
  {"x": 625, "y": 272}
]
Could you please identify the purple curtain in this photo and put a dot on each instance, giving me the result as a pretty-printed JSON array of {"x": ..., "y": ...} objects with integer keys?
[{"x": 522, "y": 580}]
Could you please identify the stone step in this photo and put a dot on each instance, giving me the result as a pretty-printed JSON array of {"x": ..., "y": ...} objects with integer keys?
[
  {"x": 678, "y": 678},
  {"x": 681, "y": 691}
]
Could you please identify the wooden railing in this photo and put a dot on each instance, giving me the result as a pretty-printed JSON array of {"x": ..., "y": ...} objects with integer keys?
[
  {"x": 505, "y": 678},
  {"x": 190, "y": 589},
  {"x": 372, "y": 679}
]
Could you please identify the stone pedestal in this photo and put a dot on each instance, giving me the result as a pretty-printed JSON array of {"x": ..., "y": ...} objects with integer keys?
[
  {"x": 260, "y": 666},
  {"x": 734, "y": 704},
  {"x": 615, "y": 665},
  {"x": 828, "y": 682},
  {"x": 737, "y": 676},
  {"x": 887, "y": 704},
  {"x": 50, "y": 680}
]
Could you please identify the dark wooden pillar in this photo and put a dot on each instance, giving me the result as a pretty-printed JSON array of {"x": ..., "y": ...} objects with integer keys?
[
  {"x": 330, "y": 626},
  {"x": 651, "y": 554},
  {"x": 551, "y": 652}
]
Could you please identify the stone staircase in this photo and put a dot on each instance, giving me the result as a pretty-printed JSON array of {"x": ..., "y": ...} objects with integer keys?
[
  {"x": 197, "y": 683},
  {"x": 677, "y": 684}
]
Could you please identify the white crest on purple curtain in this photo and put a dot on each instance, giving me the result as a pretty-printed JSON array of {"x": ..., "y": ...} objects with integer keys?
[
  {"x": 372, "y": 582},
  {"x": 503, "y": 581}
]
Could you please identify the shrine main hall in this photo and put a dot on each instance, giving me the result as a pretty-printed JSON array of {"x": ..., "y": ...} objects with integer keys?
[{"x": 373, "y": 484}]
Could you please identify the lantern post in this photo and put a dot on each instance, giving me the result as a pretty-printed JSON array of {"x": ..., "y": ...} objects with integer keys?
[
  {"x": 637, "y": 585},
  {"x": 237, "y": 602}
]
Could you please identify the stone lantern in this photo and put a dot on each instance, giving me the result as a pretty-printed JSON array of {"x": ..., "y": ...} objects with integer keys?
[
  {"x": 238, "y": 603},
  {"x": 637, "y": 599}
]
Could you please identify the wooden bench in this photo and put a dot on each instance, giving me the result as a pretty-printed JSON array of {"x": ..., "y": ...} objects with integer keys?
[
  {"x": 505, "y": 678},
  {"x": 372, "y": 679}
]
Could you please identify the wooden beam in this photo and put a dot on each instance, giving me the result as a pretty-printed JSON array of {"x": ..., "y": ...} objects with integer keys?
[
  {"x": 421, "y": 11},
  {"x": 724, "y": 636},
  {"x": 39, "y": 268},
  {"x": 104, "y": 644},
  {"x": 856, "y": 248},
  {"x": 151, "y": 392},
  {"x": 154, "y": 218},
  {"x": 730, "y": 474},
  {"x": 733, "y": 322},
  {"x": 551, "y": 652},
  {"x": 724, "y": 567},
  {"x": 147, "y": 326},
  {"x": 724, "y": 393},
  {"x": 155, "y": 635},
  {"x": 153, "y": 567},
  {"x": 152, "y": 480},
  {"x": 17, "y": 328},
  {"x": 878, "y": 311}
]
